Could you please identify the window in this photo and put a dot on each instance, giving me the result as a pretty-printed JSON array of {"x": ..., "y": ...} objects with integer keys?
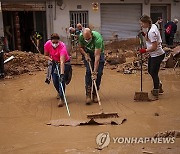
[{"x": 78, "y": 17}]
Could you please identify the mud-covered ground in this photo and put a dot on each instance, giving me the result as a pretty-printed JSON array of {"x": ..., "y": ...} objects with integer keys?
[{"x": 27, "y": 104}]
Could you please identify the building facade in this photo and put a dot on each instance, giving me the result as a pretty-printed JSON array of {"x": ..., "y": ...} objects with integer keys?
[{"x": 112, "y": 18}]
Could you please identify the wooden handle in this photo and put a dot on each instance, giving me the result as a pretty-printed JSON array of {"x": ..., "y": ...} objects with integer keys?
[{"x": 95, "y": 86}]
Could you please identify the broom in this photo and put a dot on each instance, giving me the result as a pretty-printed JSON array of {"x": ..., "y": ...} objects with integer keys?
[
  {"x": 141, "y": 96},
  {"x": 101, "y": 114}
]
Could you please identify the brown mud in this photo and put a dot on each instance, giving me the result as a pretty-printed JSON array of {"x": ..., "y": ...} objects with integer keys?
[{"x": 27, "y": 104}]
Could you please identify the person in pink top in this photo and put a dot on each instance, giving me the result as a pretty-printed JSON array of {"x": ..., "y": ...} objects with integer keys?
[{"x": 56, "y": 53}]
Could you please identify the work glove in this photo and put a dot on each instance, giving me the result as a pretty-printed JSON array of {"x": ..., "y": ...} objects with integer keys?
[
  {"x": 87, "y": 58},
  {"x": 61, "y": 79},
  {"x": 94, "y": 75},
  {"x": 142, "y": 50}
]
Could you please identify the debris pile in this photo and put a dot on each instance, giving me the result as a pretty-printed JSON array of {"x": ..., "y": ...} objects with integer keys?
[
  {"x": 130, "y": 44},
  {"x": 172, "y": 57},
  {"x": 123, "y": 57},
  {"x": 24, "y": 62},
  {"x": 170, "y": 133}
]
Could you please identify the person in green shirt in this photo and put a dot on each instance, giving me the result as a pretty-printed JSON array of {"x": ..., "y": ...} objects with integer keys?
[{"x": 91, "y": 46}]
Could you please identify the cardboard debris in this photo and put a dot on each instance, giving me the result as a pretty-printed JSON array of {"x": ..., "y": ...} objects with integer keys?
[{"x": 73, "y": 122}]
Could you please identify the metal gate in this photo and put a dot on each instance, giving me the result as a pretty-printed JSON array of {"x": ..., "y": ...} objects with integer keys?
[
  {"x": 120, "y": 20},
  {"x": 78, "y": 17}
]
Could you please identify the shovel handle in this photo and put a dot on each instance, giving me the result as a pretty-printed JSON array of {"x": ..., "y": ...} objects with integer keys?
[{"x": 95, "y": 86}]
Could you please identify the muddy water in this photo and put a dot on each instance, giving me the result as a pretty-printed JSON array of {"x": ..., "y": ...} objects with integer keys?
[{"x": 27, "y": 104}]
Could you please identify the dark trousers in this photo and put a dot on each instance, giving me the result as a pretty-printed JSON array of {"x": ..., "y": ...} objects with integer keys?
[
  {"x": 55, "y": 77},
  {"x": 1, "y": 63},
  {"x": 153, "y": 69},
  {"x": 169, "y": 39},
  {"x": 88, "y": 81}
]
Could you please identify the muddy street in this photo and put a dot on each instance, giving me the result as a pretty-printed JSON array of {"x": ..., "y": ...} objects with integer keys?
[{"x": 27, "y": 104}]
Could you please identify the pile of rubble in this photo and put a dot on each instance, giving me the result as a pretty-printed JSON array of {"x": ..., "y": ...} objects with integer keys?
[
  {"x": 24, "y": 62},
  {"x": 170, "y": 133},
  {"x": 172, "y": 57},
  {"x": 126, "y": 59}
]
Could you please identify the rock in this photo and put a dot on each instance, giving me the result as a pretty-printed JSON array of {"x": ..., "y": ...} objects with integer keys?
[{"x": 156, "y": 114}]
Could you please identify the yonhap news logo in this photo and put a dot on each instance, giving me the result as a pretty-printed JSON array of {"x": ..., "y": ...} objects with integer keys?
[{"x": 104, "y": 139}]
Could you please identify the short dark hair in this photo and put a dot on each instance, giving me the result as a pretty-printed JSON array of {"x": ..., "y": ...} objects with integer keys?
[{"x": 55, "y": 36}]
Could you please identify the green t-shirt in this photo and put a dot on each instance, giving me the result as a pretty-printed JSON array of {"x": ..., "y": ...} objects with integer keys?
[{"x": 96, "y": 42}]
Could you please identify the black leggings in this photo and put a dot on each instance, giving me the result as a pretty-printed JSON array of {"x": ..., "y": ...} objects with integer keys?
[
  {"x": 153, "y": 69},
  {"x": 169, "y": 39}
]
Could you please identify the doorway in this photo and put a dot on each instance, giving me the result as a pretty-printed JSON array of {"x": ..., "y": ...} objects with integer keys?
[
  {"x": 28, "y": 22},
  {"x": 160, "y": 11}
]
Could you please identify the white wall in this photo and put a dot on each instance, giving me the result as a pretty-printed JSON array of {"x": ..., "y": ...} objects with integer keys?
[{"x": 62, "y": 20}]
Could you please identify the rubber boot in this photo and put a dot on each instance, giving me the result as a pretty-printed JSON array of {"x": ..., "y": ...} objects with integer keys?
[
  {"x": 95, "y": 100},
  {"x": 88, "y": 96},
  {"x": 61, "y": 102},
  {"x": 155, "y": 93},
  {"x": 160, "y": 88}
]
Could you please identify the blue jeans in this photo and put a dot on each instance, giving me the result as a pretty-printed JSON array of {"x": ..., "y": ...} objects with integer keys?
[
  {"x": 88, "y": 81},
  {"x": 55, "y": 78}
]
